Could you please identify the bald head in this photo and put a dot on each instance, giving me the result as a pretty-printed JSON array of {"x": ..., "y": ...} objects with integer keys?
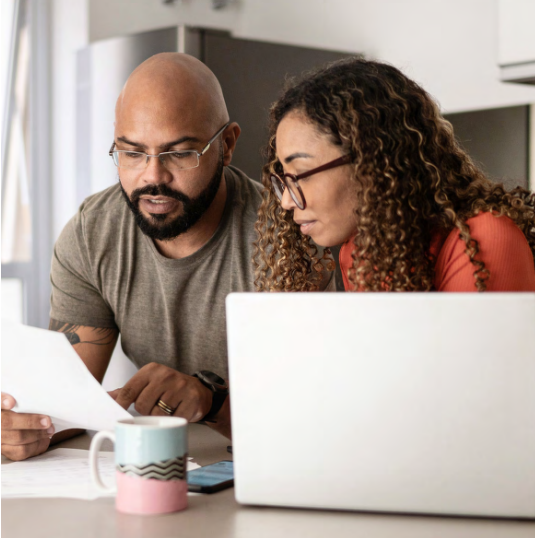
[{"x": 173, "y": 84}]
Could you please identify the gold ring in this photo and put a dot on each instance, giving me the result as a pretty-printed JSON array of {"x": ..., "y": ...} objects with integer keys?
[{"x": 165, "y": 408}]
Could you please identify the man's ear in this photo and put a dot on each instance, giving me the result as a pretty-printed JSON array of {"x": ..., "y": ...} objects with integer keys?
[{"x": 230, "y": 137}]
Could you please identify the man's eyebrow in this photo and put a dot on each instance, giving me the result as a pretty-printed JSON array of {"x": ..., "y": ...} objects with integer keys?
[
  {"x": 179, "y": 141},
  {"x": 298, "y": 155},
  {"x": 130, "y": 142},
  {"x": 161, "y": 146}
]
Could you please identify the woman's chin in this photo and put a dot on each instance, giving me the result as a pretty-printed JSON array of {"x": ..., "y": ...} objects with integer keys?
[{"x": 322, "y": 241}]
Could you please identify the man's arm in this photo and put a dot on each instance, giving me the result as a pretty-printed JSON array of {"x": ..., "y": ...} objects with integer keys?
[
  {"x": 94, "y": 346},
  {"x": 25, "y": 435}
]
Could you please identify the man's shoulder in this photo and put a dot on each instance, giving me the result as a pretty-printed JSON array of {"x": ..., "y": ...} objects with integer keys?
[
  {"x": 109, "y": 200},
  {"x": 97, "y": 216},
  {"x": 245, "y": 188},
  {"x": 104, "y": 211}
]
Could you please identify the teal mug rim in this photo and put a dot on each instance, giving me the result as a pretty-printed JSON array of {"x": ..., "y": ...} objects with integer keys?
[{"x": 138, "y": 422}]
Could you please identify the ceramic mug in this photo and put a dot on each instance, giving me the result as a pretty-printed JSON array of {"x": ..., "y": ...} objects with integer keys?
[{"x": 151, "y": 456}]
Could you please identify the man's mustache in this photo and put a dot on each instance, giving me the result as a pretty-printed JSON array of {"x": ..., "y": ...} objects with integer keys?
[{"x": 158, "y": 190}]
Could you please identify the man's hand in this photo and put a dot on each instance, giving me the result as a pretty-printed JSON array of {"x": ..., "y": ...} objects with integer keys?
[
  {"x": 23, "y": 435},
  {"x": 191, "y": 399}
]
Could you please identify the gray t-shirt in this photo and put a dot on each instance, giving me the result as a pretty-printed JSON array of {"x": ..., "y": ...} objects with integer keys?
[{"x": 107, "y": 273}]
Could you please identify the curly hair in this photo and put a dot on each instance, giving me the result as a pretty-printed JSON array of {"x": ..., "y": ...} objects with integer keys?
[{"x": 412, "y": 179}]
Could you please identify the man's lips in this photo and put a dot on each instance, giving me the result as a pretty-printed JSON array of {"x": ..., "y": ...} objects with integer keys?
[{"x": 158, "y": 204}]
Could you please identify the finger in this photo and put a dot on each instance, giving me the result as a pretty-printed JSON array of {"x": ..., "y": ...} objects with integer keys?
[
  {"x": 114, "y": 393},
  {"x": 23, "y": 452},
  {"x": 24, "y": 421},
  {"x": 191, "y": 410},
  {"x": 171, "y": 399},
  {"x": 148, "y": 399},
  {"x": 130, "y": 392},
  {"x": 8, "y": 402},
  {"x": 196, "y": 403},
  {"x": 25, "y": 437}
]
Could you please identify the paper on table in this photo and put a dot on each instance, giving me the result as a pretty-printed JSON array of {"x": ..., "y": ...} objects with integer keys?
[
  {"x": 44, "y": 374},
  {"x": 63, "y": 472}
]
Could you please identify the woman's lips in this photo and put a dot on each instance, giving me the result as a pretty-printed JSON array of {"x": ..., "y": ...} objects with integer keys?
[
  {"x": 158, "y": 205},
  {"x": 306, "y": 225}
]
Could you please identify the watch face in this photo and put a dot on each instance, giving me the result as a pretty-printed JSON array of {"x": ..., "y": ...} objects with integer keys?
[{"x": 213, "y": 379}]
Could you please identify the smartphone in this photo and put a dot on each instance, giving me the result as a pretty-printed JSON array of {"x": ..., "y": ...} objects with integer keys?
[{"x": 211, "y": 478}]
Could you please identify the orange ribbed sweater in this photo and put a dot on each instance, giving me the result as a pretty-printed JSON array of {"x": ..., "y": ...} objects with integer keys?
[{"x": 502, "y": 247}]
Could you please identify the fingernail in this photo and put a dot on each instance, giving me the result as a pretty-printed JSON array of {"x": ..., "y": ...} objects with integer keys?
[
  {"x": 44, "y": 422},
  {"x": 50, "y": 430},
  {"x": 6, "y": 402}
]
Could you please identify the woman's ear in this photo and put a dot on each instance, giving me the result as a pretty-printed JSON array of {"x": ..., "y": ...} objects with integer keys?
[{"x": 230, "y": 137}]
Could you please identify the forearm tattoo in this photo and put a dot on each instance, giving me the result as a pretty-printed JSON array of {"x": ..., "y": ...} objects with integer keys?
[{"x": 103, "y": 336}]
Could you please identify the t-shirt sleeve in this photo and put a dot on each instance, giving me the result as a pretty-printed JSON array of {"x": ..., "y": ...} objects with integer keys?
[
  {"x": 75, "y": 297},
  {"x": 502, "y": 247}
]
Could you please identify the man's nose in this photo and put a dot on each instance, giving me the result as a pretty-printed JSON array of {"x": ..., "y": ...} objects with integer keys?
[
  {"x": 155, "y": 171},
  {"x": 287, "y": 202}
]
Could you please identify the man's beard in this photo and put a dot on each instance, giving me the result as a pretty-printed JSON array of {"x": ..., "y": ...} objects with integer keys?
[{"x": 193, "y": 209}]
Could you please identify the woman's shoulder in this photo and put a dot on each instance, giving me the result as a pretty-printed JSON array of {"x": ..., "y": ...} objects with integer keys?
[
  {"x": 502, "y": 247},
  {"x": 490, "y": 230},
  {"x": 488, "y": 223}
]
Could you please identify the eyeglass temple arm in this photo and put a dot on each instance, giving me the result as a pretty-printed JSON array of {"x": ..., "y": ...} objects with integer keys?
[
  {"x": 345, "y": 159},
  {"x": 111, "y": 148},
  {"x": 207, "y": 147}
]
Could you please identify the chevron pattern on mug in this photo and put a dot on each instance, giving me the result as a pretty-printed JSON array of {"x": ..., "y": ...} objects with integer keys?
[{"x": 172, "y": 469}]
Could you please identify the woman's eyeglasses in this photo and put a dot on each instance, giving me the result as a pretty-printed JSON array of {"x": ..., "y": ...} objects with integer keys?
[{"x": 290, "y": 181}]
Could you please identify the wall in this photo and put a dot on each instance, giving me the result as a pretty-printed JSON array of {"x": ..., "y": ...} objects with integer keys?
[
  {"x": 450, "y": 46},
  {"x": 498, "y": 141},
  {"x": 69, "y": 32}
]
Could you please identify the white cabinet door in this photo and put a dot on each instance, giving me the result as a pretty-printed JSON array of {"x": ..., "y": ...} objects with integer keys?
[{"x": 516, "y": 50}]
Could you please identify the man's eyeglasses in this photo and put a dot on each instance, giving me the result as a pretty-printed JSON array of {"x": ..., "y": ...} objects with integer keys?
[
  {"x": 172, "y": 160},
  {"x": 289, "y": 181}
]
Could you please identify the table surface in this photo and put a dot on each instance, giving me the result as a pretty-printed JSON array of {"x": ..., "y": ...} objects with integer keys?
[{"x": 219, "y": 515}]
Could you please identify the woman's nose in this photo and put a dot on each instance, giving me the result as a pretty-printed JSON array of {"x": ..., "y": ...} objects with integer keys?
[{"x": 287, "y": 202}]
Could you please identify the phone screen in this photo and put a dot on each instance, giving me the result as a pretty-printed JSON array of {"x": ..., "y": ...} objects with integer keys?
[{"x": 212, "y": 477}]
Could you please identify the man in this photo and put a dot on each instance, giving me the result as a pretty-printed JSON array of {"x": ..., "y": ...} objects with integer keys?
[{"x": 154, "y": 257}]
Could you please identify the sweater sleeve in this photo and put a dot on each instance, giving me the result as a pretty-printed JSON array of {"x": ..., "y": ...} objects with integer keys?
[{"x": 502, "y": 247}]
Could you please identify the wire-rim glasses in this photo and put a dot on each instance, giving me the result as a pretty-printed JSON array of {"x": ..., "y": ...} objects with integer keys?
[
  {"x": 290, "y": 181},
  {"x": 172, "y": 160}
]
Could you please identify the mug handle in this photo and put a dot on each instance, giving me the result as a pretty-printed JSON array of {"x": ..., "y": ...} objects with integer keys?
[{"x": 93, "y": 459}]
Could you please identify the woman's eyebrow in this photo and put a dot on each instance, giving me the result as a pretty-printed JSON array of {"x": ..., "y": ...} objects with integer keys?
[{"x": 298, "y": 155}]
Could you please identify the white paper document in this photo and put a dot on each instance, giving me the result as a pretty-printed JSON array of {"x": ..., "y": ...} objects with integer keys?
[
  {"x": 45, "y": 375},
  {"x": 63, "y": 472}
]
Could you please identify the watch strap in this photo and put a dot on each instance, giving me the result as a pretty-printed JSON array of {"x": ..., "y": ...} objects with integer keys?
[
  {"x": 219, "y": 395},
  {"x": 218, "y": 399}
]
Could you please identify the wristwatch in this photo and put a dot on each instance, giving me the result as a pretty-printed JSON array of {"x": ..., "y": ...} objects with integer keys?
[{"x": 219, "y": 388}]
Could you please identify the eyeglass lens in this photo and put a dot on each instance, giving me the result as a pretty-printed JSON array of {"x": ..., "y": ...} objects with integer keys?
[
  {"x": 135, "y": 160},
  {"x": 279, "y": 186}
]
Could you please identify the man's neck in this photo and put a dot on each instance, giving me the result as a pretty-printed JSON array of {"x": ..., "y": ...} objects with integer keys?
[{"x": 198, "y": 235}]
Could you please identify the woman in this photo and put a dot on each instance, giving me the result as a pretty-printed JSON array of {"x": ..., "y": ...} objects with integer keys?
[{"x": 360, "y": 155}]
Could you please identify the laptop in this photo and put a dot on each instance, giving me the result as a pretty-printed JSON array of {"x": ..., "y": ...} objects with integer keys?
[{"x": 409, "y": 403}]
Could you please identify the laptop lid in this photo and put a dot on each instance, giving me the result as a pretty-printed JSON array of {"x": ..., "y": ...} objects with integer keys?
[{"x": 413, "y": 402}]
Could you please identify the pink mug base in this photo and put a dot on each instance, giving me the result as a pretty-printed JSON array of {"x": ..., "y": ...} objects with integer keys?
[{"x": 148, "y": 496}]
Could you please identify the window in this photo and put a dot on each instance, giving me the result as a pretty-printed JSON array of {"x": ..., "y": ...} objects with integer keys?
[
  {"x": 26, "y": 247},
  {"x": 16, "y": 211}
]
